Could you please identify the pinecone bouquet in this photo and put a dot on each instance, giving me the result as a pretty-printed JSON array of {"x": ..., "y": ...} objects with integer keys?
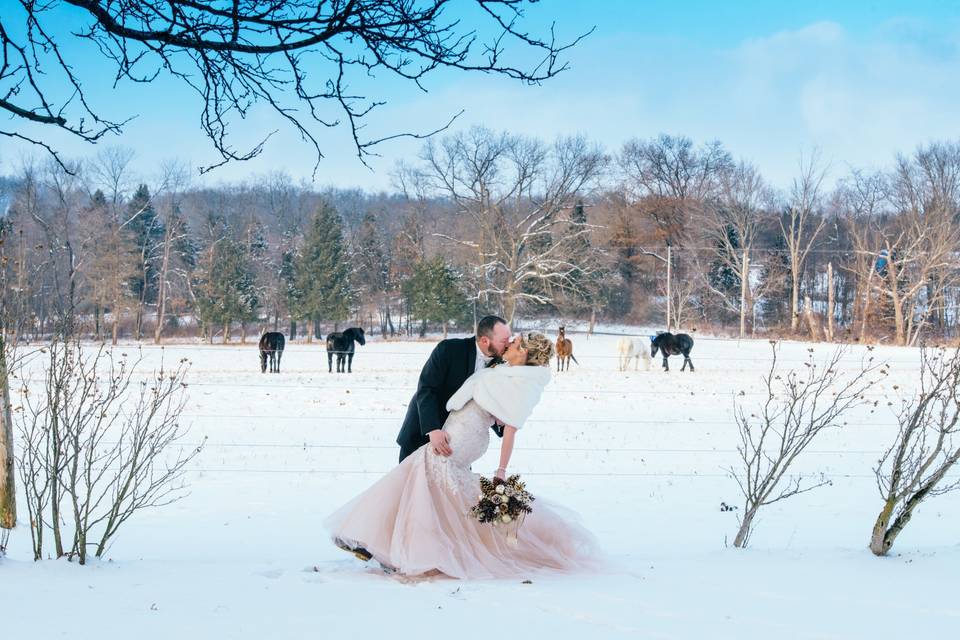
[{"x": 502, "y": 502}]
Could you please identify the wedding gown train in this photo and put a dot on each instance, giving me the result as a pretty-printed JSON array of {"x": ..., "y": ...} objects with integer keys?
[{"x": 417, "y": 520}]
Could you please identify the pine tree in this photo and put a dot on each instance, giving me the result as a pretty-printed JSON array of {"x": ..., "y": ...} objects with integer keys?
[
  {"x": 724, "y": 277},
  {"x": 288, "y": 281},
  {"x": 322, "y": 271},
  {"x": 226, "y": 288},
  {"x": 178, "y": 258},
  {"x": 373, "y": 269},
  {"x": 776, "y": 278},
  {"x": 435, "y": 295},
  {"x": 373, "y": 273},
  {"x": 184, "y": 244},
  {"x": 148, "y": 233},
  {"x": 588, "y": 283}
]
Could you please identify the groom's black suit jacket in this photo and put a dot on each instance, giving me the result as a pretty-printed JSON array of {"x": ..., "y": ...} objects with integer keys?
[{"x": 450, "y": 364}]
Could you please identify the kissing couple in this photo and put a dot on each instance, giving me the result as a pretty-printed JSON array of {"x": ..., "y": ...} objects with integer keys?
[{"x": 416, "y": 520}]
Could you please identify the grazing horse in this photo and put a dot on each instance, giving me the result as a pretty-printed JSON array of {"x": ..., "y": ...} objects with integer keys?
[
  {"x": 630, "y": 348},
  {"x": 564, "y": 351},
  {"x": 271, "y": 346},
  {"x": 342, "y": 345},
  {"x": 672, "y": 345}
]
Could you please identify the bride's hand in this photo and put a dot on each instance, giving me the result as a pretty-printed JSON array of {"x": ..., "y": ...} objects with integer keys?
[
  {"x": 501, "y": 474},
  {"x": 440, "y": 442}
]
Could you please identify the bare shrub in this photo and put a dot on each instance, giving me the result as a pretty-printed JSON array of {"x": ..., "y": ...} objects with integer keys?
[
  {"x": 99, "y": 445},
  {"x": 798, "y": 406},
  {"x": 916, "y": 464}
]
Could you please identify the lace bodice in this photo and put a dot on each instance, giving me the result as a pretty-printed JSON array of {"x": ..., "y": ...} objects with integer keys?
[{"x": 469, "y": 430}]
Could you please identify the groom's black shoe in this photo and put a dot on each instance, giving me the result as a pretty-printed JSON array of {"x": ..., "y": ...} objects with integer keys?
[{"x": 360, "y": 552}]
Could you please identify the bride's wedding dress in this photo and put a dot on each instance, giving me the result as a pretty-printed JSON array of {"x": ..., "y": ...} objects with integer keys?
[{"x": 417, "y": 518}]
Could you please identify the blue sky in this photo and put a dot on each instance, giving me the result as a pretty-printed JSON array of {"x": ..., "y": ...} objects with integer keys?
[{"x": 859, "y": 80}]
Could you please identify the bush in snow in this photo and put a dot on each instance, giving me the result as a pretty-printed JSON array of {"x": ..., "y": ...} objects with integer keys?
[
  {"x": 925, "y": 449},
  {"x": 798, "y": 406},
  {"x": 99, "y": 444}
]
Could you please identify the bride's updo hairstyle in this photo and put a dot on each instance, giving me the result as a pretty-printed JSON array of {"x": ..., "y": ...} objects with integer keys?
[{"x": 539, "y": 349}]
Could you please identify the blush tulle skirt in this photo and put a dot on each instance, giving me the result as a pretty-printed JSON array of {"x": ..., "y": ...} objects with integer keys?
[{"x": 416, "y": 520}]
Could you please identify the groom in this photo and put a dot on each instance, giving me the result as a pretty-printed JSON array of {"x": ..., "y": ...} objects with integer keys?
[{"x": 450, "y": 364}]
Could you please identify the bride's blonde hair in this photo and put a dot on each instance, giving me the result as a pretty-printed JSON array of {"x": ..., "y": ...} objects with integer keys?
[{"x": 539, "y": 349}]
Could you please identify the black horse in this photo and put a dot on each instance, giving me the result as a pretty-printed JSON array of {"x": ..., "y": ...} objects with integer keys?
[
  {"x": 342, "y": 345},
  {"x": 672, "y": 345},
  {"x": 271, "y": 346}
]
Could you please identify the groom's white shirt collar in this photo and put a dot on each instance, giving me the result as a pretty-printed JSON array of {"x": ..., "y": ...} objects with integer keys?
[{"x": 482, "y": 360}]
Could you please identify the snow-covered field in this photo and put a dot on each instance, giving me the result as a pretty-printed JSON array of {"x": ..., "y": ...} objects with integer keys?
[{"x": 640, "y": 455}]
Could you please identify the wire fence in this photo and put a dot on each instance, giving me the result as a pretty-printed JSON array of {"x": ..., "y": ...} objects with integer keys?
[
  {"x": 604, "y": 450},
  {"x": 551, "y": 421},
  {"x": 588, "y": 453},
  {"x": 573, "y": 474},
  {"x": 420, "y": 354},
  {"x": 659, "y": 393}
]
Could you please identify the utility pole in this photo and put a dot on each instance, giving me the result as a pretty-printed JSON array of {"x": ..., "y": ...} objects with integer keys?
[
  {"x": 744, "y": 288},
  {"x": 669, "y": 281}
]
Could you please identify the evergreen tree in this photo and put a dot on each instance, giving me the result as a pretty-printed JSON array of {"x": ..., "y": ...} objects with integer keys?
[
  {"x": 623, "y": 243},
  {"x": 321, "y": 282},
  {"x": 775, "y": 305},
  {"x": 148, "y": 232},
  {"x": 373, "y": 273},
  {"x": 723, "y": 277},
  {"x": 587, "y": 288},
  {"x": 435, "y": 295},
  {"x": 226, "y": 288},
  {"x": 372, "y": 259},
  {"x": 184, "y": 245}
]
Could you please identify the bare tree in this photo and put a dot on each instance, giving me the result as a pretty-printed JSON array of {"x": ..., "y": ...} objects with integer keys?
[
  {"x": 47, "y": 206},
  {"x": 797, "y": 408},
  {"x": 176, "y": 180},
  {"x": 300, "y": 58},
  {"x": 518, "y": 194},
  {"x": 113, "y": 263},
  {"x": 730, "y": 224},
  {"x": 674, "y": 179},
  {"x": 669, "y": 181},
  {"x": 802, "y": 213},
  {"x": 915, "y": 466},
  {"x": 99, "y": 446},
  {"x": 921, "y": 242},
  {"x": 862, "y": 201}
]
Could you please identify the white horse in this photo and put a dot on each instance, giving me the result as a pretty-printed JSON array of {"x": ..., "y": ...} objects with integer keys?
[{"x": 629, "y": 348}]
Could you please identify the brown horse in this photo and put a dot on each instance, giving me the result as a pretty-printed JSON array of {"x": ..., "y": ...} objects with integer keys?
[{"x": 564, "y": 351}]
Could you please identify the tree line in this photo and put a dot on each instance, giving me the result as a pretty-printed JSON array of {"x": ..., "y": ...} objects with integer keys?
[{"x": 663, "y": 231}]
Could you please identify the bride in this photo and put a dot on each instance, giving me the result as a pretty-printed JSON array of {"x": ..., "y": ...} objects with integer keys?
[{"x": 416, "y": 520}]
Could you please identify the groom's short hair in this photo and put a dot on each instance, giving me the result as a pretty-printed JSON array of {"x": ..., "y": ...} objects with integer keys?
[{"x": 486, "y": 325}]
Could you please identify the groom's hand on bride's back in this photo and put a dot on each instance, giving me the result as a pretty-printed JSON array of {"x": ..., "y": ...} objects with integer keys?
[{"x": 440, "y": 442}]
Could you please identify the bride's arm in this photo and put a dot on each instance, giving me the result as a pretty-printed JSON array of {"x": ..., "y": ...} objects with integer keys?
[{"x": 506, "y": 449}]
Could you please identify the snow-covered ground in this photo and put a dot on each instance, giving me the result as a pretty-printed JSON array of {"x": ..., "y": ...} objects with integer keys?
[{"x": 640, "y": 455}]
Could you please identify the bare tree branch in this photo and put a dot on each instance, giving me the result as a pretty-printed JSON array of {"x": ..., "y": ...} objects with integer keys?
[{"x": 299, "y": 58}]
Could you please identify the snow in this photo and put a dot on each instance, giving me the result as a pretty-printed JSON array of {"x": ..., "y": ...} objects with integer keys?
[{"x": 640, "y": 455}]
